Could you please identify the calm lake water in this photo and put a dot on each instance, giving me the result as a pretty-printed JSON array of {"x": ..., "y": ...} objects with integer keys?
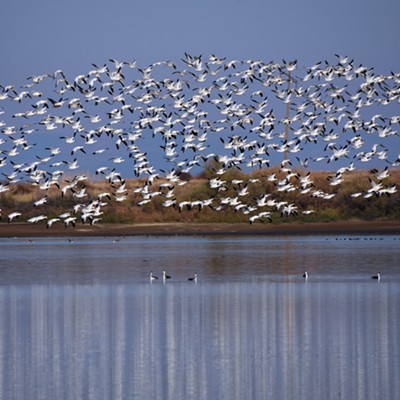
[{"x": 81, "y": 320}]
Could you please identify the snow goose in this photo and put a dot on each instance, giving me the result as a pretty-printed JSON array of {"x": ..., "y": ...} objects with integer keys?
[
  {"x": 50, "y": 222},
  {"x": 13, "y": 215}
]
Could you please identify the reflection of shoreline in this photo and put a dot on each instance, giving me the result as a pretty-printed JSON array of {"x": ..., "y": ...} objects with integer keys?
[{"x": 170, "y": 229}]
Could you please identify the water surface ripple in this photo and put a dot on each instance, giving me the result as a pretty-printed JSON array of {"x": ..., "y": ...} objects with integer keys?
[{"x": 88, "y": 324}]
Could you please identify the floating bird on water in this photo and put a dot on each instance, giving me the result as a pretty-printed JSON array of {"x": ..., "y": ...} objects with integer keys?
[
  {"x": 305, "y": 275},
  {"x": 153, "y": 277},
  {"x": 377, "y": 276},
  {"x": 193, "y": 278},
  {"x": 165, "y": 276}
]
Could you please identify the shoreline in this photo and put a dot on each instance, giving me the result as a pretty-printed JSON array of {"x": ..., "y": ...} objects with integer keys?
[{"x": 189, "y": 229}]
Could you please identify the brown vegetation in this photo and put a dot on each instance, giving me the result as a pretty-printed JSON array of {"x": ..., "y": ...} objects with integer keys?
[{"x": 20, "y": 197}]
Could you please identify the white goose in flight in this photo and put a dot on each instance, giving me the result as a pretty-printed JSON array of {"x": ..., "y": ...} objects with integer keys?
[{"x": 13, "y": 215}]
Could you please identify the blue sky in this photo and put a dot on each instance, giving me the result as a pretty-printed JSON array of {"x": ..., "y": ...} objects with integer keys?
[{"x": 44, "y": 35}]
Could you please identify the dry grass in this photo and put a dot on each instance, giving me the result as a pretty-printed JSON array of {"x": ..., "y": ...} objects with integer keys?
[{"x": 20, "y": 197}]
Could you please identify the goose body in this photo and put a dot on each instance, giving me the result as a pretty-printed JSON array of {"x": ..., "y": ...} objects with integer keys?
[{"x": 13, "y": 215}]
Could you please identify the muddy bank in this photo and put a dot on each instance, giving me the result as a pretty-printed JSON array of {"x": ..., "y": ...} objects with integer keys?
[{"x": 330, "y": 228}]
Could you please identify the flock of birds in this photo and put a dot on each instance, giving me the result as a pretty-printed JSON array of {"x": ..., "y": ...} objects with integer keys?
[{"x": 190, "y": 114}]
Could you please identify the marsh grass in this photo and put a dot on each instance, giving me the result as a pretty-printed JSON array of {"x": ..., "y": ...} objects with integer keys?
[{"x": 20, "y": 197}]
